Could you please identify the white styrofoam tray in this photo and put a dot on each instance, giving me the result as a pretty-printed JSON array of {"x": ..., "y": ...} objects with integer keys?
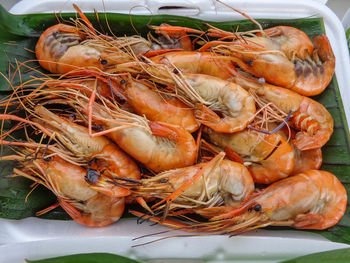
[{"x": 36, "y": 238}]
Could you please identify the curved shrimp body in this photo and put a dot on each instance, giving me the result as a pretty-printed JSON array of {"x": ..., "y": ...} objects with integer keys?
[
  {"x": 59, "y": 50},
  {"x": 159, "y": 146},
  {"x": 268, "y": 157},
  {"x": 67, "y": 182},
  {"x": 157, "y": 107},
  {"x": 311, "y": 200},
  {"x": 226, "y": 182},
  {"x": 312, "y": 120},
  {"x": 235, "y": 104},
  {"x": 197, "y": 62},
  {"x": 308, "y": 77}
]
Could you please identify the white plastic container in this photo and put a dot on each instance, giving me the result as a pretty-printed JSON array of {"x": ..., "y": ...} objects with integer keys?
[{"x": 35, "y": 238}]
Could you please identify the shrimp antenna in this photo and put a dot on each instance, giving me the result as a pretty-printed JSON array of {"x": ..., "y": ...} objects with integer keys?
[{"x": 243, "y": 14}]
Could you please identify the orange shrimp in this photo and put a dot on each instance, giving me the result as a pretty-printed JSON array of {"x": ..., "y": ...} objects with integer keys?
[
  {"x": 159, "y": 146},
  {"x": 314, "y": 199},
  {"x": 236, "y": 106},
  {"x": 62, "y": 48},
  {"x": 157, "y": 107},
  {"x": 75, "y": 196},
  {"x": 268, "y": 157},
  {"x": 290, "y": 40},
  {"x": 106, "y": 156},
  {"x": 221, "y": 182},
  {"x": 58, "y": 50},
  {"x": 308, "y": 77},
  {"x": 310, "y": 118}
]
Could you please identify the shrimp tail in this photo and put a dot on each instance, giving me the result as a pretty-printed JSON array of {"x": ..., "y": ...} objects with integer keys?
[
  {"x": 306, "y": 221},
  {"x": 206, "y": 116}
]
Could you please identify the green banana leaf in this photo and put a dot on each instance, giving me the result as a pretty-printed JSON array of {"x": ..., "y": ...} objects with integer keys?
[
  {"x": 18, "y": 35},
  {"x": 334, "y": 256},
  {"x": 86, "y": 258}
]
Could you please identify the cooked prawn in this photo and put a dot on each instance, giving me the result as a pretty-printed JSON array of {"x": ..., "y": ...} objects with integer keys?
[
  {"x": 221, "y": 182},
  {"x": 159, "y": 146},
  {"x": 106, "y": 156},
  {"x": 269, "y": 157},
  {"x": 310, "y": 118},
  {"x": 75, "y": 196},
  {"x": 308, "y": 76},
  {"x": 311, "y": 200},
  {"x": 62, "y": 48},
  {"x": 290, "y": 40}
]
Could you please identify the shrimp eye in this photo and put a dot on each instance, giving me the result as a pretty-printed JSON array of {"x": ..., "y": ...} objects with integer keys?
[
  {"x": 249, "y": 62},
  {"x": 176, "y": 71},
  {"x": 73, "y": 116},
  {"x": 123, "y": 82},
  {"x": 257, "y": 208},
  {"x": 103, "y": 61},
  {"x": 164, "y": 180},
  {"x": 47, "y": 159},
  {"x": 91, "y": 175},
  {"x": 98, "y": 128}
]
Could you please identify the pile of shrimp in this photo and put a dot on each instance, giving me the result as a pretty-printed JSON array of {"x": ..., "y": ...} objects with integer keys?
[{"x": 219, "y": 134}]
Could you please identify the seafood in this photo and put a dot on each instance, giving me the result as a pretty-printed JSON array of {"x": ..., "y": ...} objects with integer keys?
[
  {"x": 290, "y": 40},
  {"x": 158, "y": 107},
  {"x": 74, "y": 194},
  {"x": 308, "y": 76},
  {"x": 59, "y": 50},
  {"x": 222, "y": 105},
  {"x": 236, "y": 106},
  {"x": 220, "y": 182},
  {"x": 106, "y": 157},
  {"x": 268, "y": 157},
  {"x": 310, "y": 118},
  {"x": 62, "y": 48},
  {"x": 313, "y": 199},
  {"x": 159, "y": 146}
]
